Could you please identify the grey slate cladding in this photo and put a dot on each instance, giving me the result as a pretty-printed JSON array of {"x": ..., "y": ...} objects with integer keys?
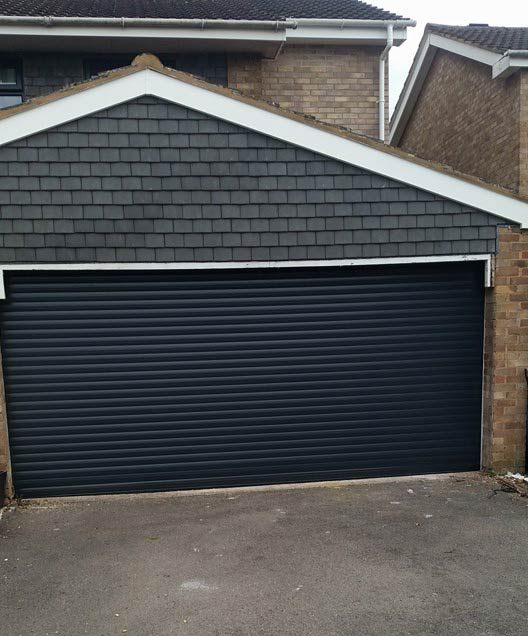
[
  {"x": 151, "y": 181},
  {"x": 44, "y": 73}
]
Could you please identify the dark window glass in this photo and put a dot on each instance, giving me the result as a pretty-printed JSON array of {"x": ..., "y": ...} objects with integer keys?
[
  {"x": 97, "y": 65},
  {"x": 8, "y": 76},
  {"x": 10, "y": 83}
]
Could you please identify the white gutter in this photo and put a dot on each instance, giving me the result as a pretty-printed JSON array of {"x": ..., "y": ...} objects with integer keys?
[
  {"x": 299, "y": 31},
  {"x": 510, "y": 62},
  {"x": 343, "y": 24},
  {"x": 382, "y": 61},
  {"x": 290, "y": 23},
  {"x": 196, "y": 23}
]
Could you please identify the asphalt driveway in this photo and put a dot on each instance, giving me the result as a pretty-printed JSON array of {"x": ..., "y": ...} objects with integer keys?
[{"x": 412, "y": 557}]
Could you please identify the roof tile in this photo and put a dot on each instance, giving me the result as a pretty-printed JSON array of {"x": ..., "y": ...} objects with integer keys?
[
  {"x": 492, "y": 38},
  {"x": 200, "y": 9}
]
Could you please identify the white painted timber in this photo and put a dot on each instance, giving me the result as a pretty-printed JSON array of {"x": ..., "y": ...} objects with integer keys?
[{"x": 229, "y": 265}]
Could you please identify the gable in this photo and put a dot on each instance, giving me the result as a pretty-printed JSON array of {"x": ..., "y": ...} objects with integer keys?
[
  {"x": 485, "y": 45},
  {"x": 478, "y": 136},
  {"x": 152, "y": 181}
]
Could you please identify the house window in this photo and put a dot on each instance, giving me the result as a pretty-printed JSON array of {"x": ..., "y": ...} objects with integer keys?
[{"x": 10, "y": 83}]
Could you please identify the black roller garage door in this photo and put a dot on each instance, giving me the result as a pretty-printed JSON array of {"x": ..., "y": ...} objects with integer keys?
[{"x": 129, "y": 381}]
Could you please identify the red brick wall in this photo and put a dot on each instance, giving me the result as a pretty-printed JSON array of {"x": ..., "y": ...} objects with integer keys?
[
  {"x": 468, "y": 120},
  {"x": 338, "y": 85},
  {"x": 506, "y": 355}
]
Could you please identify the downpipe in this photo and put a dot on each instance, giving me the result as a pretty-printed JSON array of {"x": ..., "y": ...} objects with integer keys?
[{"x": 382, "y": 73}]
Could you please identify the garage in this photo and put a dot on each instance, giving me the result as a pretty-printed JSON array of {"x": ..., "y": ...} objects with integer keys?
[
  {"x": 204, "y": 290},
  {"x": 127, "y": 381}
]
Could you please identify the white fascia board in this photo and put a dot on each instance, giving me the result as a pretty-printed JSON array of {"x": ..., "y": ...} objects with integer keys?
[
  {"x": 347, "y": 35},
  {"x": 362, "y": 32},
  {"x": 235, "y": 265},
  {"x": 154, "y": 33},
  {"x": 465, "y": 50},
  {"x": 266, "y": 122},
  {"x": 420, "y": 69},
  {"x": 73, "y": 106},
  {"x": 209, "y": 265},
  {"x": 411, "y": 90}
]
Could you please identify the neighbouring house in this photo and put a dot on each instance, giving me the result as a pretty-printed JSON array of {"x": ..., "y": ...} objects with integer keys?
[
  {"x": 325, "y": 59},
  {"x": 465, "y": 102},
  {"x": 203, "y": 289}
]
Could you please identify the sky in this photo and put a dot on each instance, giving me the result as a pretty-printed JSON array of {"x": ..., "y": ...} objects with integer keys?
[{"x": 503, "y": 13}]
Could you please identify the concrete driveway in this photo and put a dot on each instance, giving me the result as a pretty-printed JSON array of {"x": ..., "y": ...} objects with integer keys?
[{"x": 407, "y": 557}]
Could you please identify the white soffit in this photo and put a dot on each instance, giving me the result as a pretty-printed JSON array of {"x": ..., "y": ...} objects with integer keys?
[
  {"x": 308, "y": 34},
  {"x": 25, "y": 33},
  {"x": 267, "y": 122}
]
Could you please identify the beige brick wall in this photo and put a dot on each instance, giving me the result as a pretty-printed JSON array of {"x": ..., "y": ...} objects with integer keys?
[
  {"x": 244, "y": 73},
  {"x": 338, "y": 85},
  {"x": 506, "y": 355},
  {"x": 466, "y": 119},
  {"x": 523, "y": 131}
]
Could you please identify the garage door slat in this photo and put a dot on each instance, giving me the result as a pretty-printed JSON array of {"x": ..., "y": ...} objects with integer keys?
[{"x": 134, "y": 381}]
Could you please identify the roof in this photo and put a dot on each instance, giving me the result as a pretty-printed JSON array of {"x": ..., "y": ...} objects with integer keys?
[
  {"x": 199, "y": 9},
  {"x": 147, "y": 76},
  {"x": 491, "y": 38}
]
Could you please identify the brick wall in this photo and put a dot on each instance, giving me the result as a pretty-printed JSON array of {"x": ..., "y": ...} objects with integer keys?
[
  {"x": 338, "y": 85},
  {"x": 523, "y": 131},
  {"x": 506, "y": 355},
  {"x": 244, "y": 73},
  {"x": 466, "y": 119}
]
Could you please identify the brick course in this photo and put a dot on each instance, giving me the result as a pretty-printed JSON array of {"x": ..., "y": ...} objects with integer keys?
[
  {"x": 338, "y": 85},
  {"x": 506, "y": 355},
  {"x": 467, "y": 120},
  {"x": 244, "y": 73}
]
